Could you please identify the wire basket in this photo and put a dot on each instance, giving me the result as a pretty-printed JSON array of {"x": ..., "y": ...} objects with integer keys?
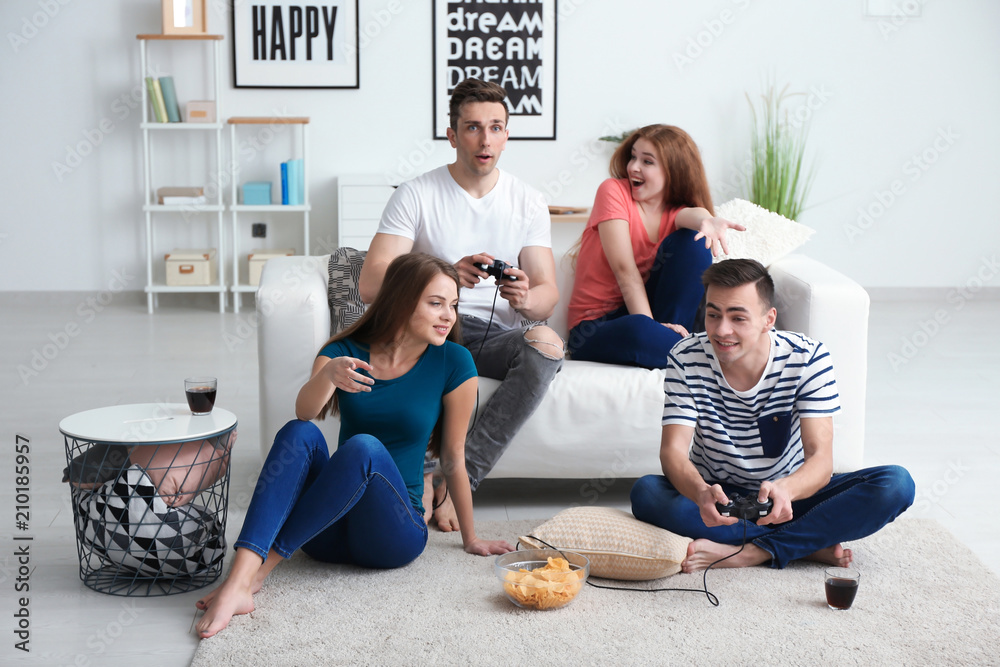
[{"x": 150, "y": 519}]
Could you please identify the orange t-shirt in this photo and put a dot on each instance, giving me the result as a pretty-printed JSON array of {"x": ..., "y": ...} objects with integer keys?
[{"x": 595, "y": 288}]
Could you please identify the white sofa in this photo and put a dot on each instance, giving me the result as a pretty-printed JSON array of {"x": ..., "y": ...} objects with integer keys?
[{"x": 597, "y": 421}]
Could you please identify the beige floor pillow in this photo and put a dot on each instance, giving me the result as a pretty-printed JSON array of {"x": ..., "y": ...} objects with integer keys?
[{"x": 618, "y": 545}]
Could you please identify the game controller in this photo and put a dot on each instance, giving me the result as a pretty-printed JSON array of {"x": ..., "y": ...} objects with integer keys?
[
  {"x": 749, "y": 508},
  {"x": 496, "y": 269}
]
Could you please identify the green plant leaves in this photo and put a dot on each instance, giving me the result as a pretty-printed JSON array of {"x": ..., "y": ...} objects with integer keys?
[{"x": 777, "y": 180}]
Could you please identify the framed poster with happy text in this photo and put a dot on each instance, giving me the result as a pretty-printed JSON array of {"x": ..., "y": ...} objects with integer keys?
[
  {"x": 512, "y": 44},
  {"x": 292, "y": 44}
]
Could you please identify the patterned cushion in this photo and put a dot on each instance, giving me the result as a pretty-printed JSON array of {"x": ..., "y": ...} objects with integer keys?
[
  {"x": 768, "y": 236},
  {"x": 126, "y": 523},
  {"x": 618, "y": 545},
  {"x": 343, "y": 294}
]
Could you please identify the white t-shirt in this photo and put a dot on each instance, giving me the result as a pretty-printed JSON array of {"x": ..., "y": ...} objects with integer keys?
[
  {"x": 444, "y": 220},
  {"x": 746, "y": 437}
]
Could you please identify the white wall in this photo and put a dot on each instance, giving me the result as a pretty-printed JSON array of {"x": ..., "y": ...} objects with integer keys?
[{"x": 882, "y": 92}]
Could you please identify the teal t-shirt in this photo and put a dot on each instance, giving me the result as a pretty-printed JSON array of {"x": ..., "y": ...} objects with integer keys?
[{"x": 402, "y": 412}]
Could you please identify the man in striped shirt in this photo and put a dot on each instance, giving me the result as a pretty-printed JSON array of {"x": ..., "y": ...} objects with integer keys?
[{"x": 749, "y": 411}]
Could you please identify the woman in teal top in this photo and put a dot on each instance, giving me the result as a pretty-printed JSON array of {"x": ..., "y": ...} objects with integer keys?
[{"x": 399, "y": 382}]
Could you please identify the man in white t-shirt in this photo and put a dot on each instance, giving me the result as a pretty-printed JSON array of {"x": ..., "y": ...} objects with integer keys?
[
  {"x": 470, "y": 213},
  {"x": 748, "y": 412}
]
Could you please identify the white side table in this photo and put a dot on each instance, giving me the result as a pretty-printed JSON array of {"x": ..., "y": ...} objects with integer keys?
[{"x": 131, "y": 540}]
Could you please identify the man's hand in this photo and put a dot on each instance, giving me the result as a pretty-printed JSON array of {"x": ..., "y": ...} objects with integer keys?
[
  {"x": 709, "y": 513},
  {"x": 782, "y": 509},
  {"x": 468, "y": 268},
  {"x": 515, "y": 291}
]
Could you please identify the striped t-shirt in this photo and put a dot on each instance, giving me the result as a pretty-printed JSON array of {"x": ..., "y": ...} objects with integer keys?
[{"x": 746, "y": 437}]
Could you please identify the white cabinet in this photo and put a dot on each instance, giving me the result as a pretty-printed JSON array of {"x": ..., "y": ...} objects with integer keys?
[
  {"x": 270, "y": 127},
  {"x": 360, "y": 200},
  {"x": 156, "y": 134}
]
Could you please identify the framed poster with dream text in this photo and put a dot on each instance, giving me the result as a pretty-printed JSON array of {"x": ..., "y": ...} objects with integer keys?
[{"x": 512, "y": 44}]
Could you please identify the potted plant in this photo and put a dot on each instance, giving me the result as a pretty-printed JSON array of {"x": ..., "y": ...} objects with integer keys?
[{"x": 777, "y": 180}]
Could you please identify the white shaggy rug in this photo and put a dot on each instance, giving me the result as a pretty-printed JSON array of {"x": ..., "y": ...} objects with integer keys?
[{"x": 924, "y": 599}]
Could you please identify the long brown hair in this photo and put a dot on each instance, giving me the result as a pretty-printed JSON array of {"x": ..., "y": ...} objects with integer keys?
[
  {"x": 405, "y": 280},
  {"x": 686, "y": 184}
]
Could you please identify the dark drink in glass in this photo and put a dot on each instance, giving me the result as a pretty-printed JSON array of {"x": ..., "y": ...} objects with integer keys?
[
  {"x": 840, "y": 592},
  {"x": 841, "y": 587},
  {"x": 200, "y": 393},
  {"x": 201, "y": 400}
]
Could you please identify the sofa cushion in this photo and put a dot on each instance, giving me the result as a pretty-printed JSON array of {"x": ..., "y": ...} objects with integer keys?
[
  {"x": 768, "y": 236},
  {"x": 572, "y": 434},
  {"x": 343, "y": 295},
  {"x": 618, "y": 545}
]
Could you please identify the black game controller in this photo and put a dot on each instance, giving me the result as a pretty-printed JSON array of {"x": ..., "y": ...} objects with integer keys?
[
  {"x": 496, "y": 269},
  {"x": 749, "y": 508}
]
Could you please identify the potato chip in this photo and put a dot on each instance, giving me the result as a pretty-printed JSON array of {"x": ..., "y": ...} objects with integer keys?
[{"x": 548, "y": 587}]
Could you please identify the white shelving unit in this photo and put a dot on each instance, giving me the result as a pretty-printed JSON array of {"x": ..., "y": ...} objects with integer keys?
[
  {"x": 238, "y": 287},
  {"x": 150, "y": 207},
  {"x": 360, "y": 201}
]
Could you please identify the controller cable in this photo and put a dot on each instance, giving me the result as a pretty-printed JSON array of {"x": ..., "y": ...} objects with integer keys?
[
  {"x": 712, "y": 598},
  {"x": 475, "y": 412},
  {"x": 475, "y": 359}
]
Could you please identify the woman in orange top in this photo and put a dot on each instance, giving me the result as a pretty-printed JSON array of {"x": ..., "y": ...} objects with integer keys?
[{"x": 651, "y": 234}]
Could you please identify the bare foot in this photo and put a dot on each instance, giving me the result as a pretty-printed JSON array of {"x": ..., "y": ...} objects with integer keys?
[
  {"x": 227, "y": 601},
  {"x": 206, "y": 601},
  {"x": 836, "y": 555},
  {"x": 702, "y": 553},
  {"x": 444, "y": 510},
  {"x": 428, "y": 497}
]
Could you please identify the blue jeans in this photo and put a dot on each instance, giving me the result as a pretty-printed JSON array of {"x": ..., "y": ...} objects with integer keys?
[
  {"x": 674, "y": 290},
  {"x": 853, "y": 505},
  {"x": 348, "y": 507},
  {"x": 525, "y": 374}
]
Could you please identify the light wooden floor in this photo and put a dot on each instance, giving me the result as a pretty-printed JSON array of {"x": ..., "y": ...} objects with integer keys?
[{"x": 929, "y": 414}]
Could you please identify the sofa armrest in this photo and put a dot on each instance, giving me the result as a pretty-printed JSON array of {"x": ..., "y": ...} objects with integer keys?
[
  {"x": 826, "y": 305},
  {"x": 293, "y": 321}
]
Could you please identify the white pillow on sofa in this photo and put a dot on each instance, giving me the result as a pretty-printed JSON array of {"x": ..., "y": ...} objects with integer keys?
[{"x": 768, "y": 236}]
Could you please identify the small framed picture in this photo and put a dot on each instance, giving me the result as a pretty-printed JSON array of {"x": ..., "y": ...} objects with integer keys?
[
  {"x": 184, "y": 17},
  {"x": 288, "y": 44}
]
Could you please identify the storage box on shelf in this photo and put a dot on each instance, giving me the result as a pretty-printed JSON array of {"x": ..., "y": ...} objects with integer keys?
[
  {"x": 258, "y": 258},
  {"x": 191, "y": 267},
  {"x": 253, "y": 190},
  {"x": 189, "y": 211},
  {"x": 256, "y": 193}
]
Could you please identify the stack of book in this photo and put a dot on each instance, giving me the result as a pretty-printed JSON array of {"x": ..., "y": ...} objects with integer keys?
[
  {"x": 293, "y": 183},
  {"x": 163, "y": 99}
]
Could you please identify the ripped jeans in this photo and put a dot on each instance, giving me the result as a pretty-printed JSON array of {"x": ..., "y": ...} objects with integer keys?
[{"x": 525, "y": 373}]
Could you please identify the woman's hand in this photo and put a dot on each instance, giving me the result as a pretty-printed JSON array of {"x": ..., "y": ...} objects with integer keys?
[
  {"x": 480, "y": 547},
  {"x": 342, "y": 373},
  {"x": 713, "y": 230},
  {"x": 678, "y": 328}
]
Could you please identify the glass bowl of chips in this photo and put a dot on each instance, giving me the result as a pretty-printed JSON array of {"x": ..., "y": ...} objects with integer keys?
[{"x": 541, "y": 578}]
